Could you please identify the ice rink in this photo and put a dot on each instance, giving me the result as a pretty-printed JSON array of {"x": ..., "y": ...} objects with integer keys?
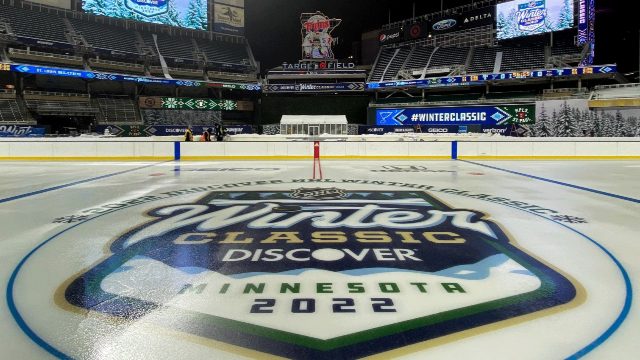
[{"x": 391, "y": 259}]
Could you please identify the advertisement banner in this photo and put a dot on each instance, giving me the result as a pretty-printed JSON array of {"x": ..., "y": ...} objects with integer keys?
[
  {"x": 467, "y": 80},
  {"x": 162, "y": 130},
  {"x": 228, "y": 17},
  {"x": 93, "y": 75},
  {"x": 416, "y": 31},
  {"x": 446, "y": 24},
  {"x": 479, "y": 17},
  {"x": 391, "y": 36},
  {"x": 381, "y": 130},
  {"x": 520, "y": 18},
  {"x": 21, "y": 131},
  {"x": 472, "y": 115},
  {"x": 193, "y": 104},
  {"x": 190, "y": 14},
  {"x": 317, "y": 42},
  {"x": 329, "y": 87}
]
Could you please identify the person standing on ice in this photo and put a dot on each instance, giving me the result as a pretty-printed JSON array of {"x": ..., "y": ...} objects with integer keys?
[{"x": 188, "y": 135}]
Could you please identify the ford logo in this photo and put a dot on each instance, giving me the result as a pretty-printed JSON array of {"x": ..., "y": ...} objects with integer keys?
[{"x": 444, "y": 24}]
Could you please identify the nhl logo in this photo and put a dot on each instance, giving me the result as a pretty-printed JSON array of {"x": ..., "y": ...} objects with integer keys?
[{"x": 318, "y": 194}]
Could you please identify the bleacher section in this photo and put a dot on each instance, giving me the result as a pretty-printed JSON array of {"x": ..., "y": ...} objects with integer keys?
[
  {"x": 58, "y": 104},
  {"x": 483, "y": 60},
  {"x": 172, "y": 47},
  {"x": 419, "y": 57},
  {"x": 385, "y": 56},
  {"x": 107, "y": 37},
  {"x": 224, "y": 52},
  {"x": 35, "y": 25},
  {"x": 522, "y": 58},
  {"x": 12, "y": 111},
  {"x": 564, "y": 47},
  {"x": 117, "y": 111},
  {"x": 449, "y": 56},
  {"x": 95, "y": 37},
  {"x": 396, "y": 63}
]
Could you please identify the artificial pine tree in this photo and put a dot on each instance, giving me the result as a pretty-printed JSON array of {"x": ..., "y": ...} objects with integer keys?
[
  {"x": 620, "y": 124},
  {"x": 565, "y": 126},
  {"x": 566, "y": 18},
  {"x": 196, "y": 17},
  {"x": 542, "y": 123}
]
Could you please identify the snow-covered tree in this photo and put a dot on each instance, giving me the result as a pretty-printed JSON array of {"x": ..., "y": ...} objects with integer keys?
[
  {"x": 97, "y": 7},
  {"x": 608, "y": 125},
  {"x": 635, "y": 121},
  {"x": 565, "y": 124},
  {"x": 597, "y": 123},
  {"x": 629, "y": 127},
  {"x": 566, "y": 18},
  {"x": 196, "y": 16},
  {"x": 585, "y": 124},
  {"x": 620, "y": 124},
  {"x": 541, "y": 127}
]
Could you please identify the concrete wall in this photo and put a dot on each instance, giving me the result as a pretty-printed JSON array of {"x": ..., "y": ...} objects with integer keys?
[{"x": 135, "y": 149}]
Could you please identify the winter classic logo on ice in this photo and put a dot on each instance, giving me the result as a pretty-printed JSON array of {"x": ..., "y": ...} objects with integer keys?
[
  {"x": 147, "y": 7},
  {"x": 318, "y": 273}
]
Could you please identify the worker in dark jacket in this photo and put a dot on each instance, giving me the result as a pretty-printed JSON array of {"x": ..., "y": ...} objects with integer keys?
[
  {"x": 219, "y": 132},
  {"x": 188, "y": 135}
]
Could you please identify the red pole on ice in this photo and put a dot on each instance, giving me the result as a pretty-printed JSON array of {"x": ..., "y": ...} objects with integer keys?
[{"x": 316, "y": 159}]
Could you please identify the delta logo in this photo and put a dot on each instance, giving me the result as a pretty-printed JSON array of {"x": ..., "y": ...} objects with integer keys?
[{"x": 319, "y": 273}]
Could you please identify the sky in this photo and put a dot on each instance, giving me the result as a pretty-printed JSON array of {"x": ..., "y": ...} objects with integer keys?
[{"x": 273, "y": 26}]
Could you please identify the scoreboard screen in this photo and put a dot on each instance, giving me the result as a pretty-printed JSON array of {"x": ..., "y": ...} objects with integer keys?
[
  {"x": 531, "y": 17},
  {"x": 192, "y": 14}
]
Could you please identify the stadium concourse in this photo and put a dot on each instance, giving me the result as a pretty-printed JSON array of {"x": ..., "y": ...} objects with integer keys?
[{"x": 380, "y": 259}]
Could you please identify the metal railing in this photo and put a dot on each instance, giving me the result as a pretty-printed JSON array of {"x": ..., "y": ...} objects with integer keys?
[
  {"x": 56, "y": 94},
  {"x": 44, "y": 54}
]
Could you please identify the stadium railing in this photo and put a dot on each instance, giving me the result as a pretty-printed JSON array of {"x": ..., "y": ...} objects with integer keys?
[{"x": 31, "y": 55}]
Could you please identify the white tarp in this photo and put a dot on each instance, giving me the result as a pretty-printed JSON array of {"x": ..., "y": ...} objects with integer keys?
[{"x": 313, "y": 119}]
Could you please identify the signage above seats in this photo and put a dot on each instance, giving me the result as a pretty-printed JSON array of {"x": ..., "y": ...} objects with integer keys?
[
  {"x": 94, "y": 75},
  {"x": 479, "y": 17},
  {"x": 318, "y": 65},
  {"x": 172, "y": 103},
  {"x": 419, "y": 30},
  {"x": 470, "y": 115},
  {"x": 228, "y": 16},
  {"x": 391, "y": 36},
  {"x": 317, "y": 42},
  {"x": 469, "y": 80},
  {"x": 314, "y": 88}
]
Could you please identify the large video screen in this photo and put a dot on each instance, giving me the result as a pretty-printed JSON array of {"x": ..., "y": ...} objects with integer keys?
[
  {"x": 530, "y": 17},
  {"x": 183, "y": 13}
]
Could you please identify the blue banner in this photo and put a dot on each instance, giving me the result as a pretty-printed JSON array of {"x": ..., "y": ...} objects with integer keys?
[
  {"x": 471, "y": 115},
  {"x": 167, "y": 130},
  {"x": 330, "y": 87},
  {"x": 21, "y": 131},
  {"x": 93, "y": 75},
  {"x": 480, "y": 79},
  {"x": 381, "y": 130}
]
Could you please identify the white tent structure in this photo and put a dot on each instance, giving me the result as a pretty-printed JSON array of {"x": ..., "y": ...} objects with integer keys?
[{"x": 313, "y": 125}]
